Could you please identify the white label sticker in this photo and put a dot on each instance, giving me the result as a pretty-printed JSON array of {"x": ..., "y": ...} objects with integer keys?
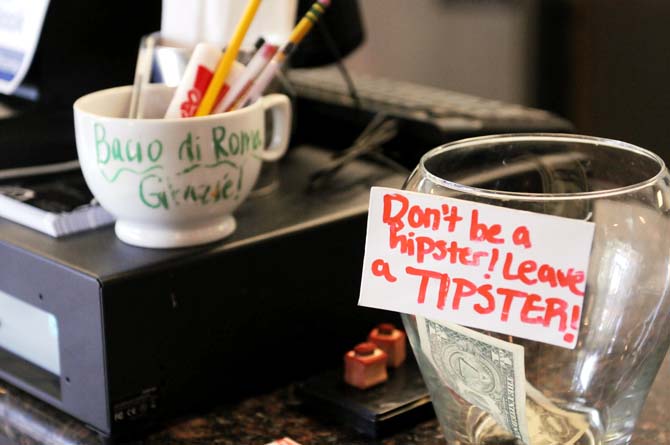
[
  {"x": 477, "y": 265},
  {"x": 20, "y": 27}
]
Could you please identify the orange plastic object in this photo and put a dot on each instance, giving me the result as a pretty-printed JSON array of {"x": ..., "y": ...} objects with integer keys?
[
  {"x": 390, "y": 340},
  {"x": 365, "y": 366}
]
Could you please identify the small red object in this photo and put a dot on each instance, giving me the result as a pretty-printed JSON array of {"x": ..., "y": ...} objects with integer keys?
[
  {"x": 365, "y": 366},
  {"x": 390, "y": 340},
  {"x": 364, "y": 349}
]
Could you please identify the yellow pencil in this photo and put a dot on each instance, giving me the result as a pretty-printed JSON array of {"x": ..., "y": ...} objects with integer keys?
[
  {"x": 308, "y": 20},
  {"x": 223, "y": 68}
]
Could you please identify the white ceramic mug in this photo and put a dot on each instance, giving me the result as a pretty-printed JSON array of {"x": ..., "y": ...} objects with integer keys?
[{"x": 174, "y": 182}]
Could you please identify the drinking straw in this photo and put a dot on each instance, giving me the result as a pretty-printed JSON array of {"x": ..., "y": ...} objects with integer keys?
[
  {"x": 142, "y": 76},
  {"x": 223, "y": 68}
]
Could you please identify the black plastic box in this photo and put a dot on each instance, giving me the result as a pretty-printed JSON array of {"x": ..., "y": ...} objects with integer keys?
[{"x": 145, "y": 334}]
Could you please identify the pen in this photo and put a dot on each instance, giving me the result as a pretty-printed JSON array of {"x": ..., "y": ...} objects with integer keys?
[
  {"x": 223, "y": 68},
  {"x": 253, "y": 69},
  {"x": 299, "y": 32},
  {"x": 264, "y": 78},
  {"x": 257, "y": 45}
]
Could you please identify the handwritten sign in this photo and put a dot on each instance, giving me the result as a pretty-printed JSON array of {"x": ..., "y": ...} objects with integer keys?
[{"x": 487, "y": 267}]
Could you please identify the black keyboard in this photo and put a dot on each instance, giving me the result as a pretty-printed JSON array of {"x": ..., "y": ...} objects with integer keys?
[{"x": 448, "y": 111}]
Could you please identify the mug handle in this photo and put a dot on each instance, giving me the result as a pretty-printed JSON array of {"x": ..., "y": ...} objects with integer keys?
[{"x": 280, "y": 107}]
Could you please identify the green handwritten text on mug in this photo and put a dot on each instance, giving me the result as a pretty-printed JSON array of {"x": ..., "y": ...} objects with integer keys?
[
  {"x": 131, "y": 151},
  {"x": 237, "y": 144},
  {"x": 168, "y": 181},
  {"x": 223, "y": 144},
  {"x": 159, "y": 192}
]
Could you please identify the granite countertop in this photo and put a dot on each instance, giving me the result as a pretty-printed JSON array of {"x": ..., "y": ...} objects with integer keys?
[{"x": 261, "y": 419}]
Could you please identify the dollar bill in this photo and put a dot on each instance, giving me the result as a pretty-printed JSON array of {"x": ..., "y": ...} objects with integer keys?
[
  {"x": 551, "y": 425},
  {"x": 487, "y": 372}
]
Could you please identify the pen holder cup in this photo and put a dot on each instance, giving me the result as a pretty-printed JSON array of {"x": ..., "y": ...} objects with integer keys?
[
  {"x": 493, "y": 388},
  {"x": 174, "y": 182},
  {"x": 168, "y": 66}
]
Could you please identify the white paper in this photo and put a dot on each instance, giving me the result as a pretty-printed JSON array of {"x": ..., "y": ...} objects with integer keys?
[
  {"x": 525, "y": 277},
  {"x": 186, "y": 23},
  {"x": 20, "y": 27},
  {"x": 274, "y": 21},
  {"x": 182, "y": 22}
]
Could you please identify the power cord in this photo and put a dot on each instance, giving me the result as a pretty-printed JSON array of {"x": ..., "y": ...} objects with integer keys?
[{"x": 379, "y": 130}]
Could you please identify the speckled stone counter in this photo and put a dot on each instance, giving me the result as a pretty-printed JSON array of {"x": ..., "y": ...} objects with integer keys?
[{"x": 259, "y": 420}]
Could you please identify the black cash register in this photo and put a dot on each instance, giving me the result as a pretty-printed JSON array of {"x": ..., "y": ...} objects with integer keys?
[{"x": 120, "y": 336}]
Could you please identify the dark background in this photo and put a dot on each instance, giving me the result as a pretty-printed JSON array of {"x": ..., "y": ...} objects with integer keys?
[{"x": 602, "y": 64}]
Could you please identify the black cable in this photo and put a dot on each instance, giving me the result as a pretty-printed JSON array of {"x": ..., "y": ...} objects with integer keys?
[
  {"x": 332, "y": 47},
  {"x": 363, "y": 145}
]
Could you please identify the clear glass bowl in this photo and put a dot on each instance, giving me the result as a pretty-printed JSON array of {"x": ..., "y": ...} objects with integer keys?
[{"x": 625, "y": 326}]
